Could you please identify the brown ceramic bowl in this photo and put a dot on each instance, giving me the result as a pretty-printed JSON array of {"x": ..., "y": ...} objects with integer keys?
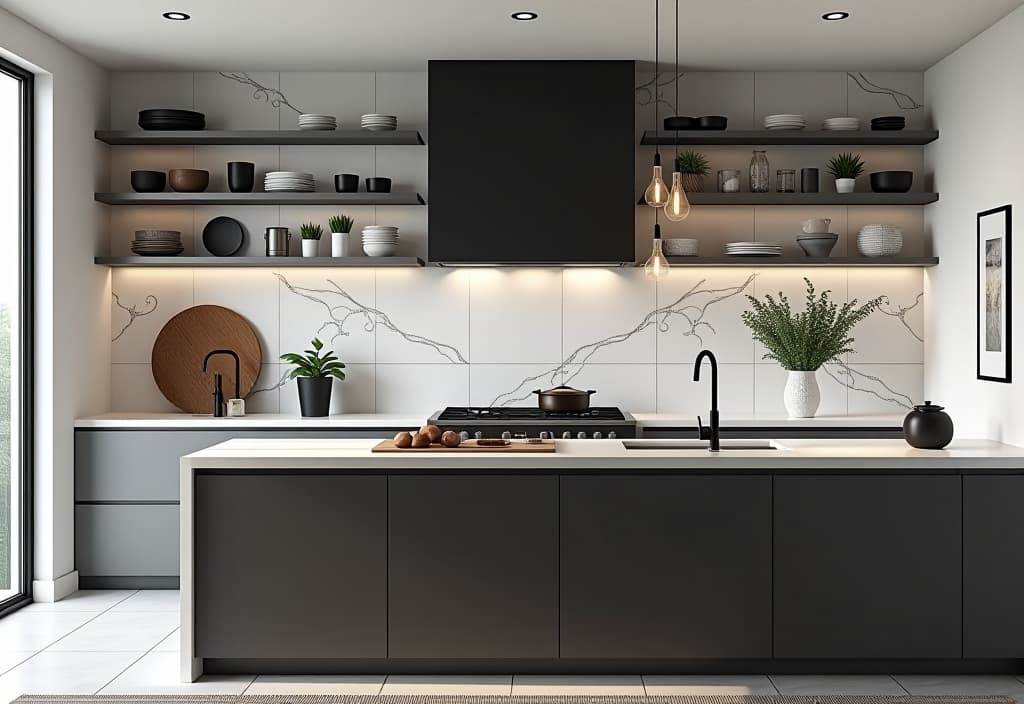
[{"x": 188, "y": 180}]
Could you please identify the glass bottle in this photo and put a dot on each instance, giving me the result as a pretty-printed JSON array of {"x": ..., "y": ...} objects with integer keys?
[
  {"x": 760, "y": 173},
  {"x": 785, "y": 181},
  {"x": 729, "y": 181}
]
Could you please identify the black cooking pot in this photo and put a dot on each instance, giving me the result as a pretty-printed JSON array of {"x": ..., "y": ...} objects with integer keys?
[{"x": 564, "y": 399}]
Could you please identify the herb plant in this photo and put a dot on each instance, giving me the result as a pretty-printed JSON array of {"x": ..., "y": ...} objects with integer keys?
[
  {"x": 805, "y": 341},
  {"x": 340, "y": 223},
  {"x": 691, "y": 162},
  {"x": 846, "y": 165},
  {"x": 314, "y": 365},
  {"x": 310, "y": 231}
]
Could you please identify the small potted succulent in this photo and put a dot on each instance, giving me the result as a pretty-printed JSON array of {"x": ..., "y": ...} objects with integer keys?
[
  {"x": 845, "y": 167},
  {"x": 311, "y": 235},
  {"x": 315, "y": 373},
  {"x": 694, "y": 167},
  {"x": 340, "y": 226}
]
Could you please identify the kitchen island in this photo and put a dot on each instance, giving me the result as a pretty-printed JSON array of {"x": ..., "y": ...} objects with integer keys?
[{"x": 318, "y": 556}]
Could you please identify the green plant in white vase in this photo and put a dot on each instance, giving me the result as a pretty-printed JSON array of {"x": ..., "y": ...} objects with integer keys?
[
  {"x": 845, "y": 168},
  {"x": 311, "y": 234},
  {"x": 340, "y": 226}
]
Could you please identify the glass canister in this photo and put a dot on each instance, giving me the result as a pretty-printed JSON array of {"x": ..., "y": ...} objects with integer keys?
[
  {"x": 785, "y": 181},
  {"x": 760, "y": 173},
  {"x": 729, "y": 181}
]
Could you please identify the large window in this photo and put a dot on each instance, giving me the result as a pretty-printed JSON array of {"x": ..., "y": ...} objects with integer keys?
[{"x": 15, "y": 334}]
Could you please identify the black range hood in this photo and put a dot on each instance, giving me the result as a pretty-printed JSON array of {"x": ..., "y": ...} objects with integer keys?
[{"x": 531, "y": 163}]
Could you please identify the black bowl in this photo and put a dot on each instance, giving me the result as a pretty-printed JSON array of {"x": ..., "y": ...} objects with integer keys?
[
  {"x": 712, "y": 122},
  {"x": 346, "y": 183},
  {"x": 891, "y": 181},
  {"x": 148, "y": 181},
  {"x": 680, "y": 122},
  {"x": 378, "y": 184}
]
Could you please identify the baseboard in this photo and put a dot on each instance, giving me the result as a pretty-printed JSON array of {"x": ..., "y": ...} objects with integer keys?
[
  {"x": 50, "y": 590},
  {"x": 129, "y": 582}
]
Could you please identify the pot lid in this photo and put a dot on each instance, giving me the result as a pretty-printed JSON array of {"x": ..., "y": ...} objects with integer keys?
[
  {"x": 564, "y": 391},
  {"x": 928, "y": 407}
]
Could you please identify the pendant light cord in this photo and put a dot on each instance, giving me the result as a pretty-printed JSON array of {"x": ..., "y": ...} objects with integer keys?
[
  {"x": 657, "y": 75},
  {"x": 675, "y": 79}
]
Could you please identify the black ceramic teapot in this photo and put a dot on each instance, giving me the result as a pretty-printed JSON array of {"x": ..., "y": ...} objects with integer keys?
[{"x": 928, "y": 427}]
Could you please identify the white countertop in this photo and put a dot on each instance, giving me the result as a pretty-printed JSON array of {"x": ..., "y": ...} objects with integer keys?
[{"x": 610, "y": 454}]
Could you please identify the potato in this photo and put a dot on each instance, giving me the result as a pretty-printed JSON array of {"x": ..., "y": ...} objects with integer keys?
[
  {"x": 451, "y": 439},
  {"x": 421, "y": 440},
  {"x": 432, "y": 432},
  {"x": 403, "y": 439}
]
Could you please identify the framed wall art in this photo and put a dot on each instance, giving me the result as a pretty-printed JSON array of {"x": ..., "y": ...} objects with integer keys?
[{"x": 995, "y": 313}]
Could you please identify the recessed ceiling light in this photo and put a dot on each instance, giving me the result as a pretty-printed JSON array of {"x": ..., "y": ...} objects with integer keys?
[
  {"x": 180, "y": 16},
  {"x": 833, "y": 16},
  {"x": 524, "y": 16}
]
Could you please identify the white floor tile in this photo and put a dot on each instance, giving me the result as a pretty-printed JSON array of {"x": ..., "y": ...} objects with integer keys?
[
  {"x": 316, "y": 684},
  {"x": 556, "y": 685},
  {"x": 836, "y": 684},
  {"x": 34, "y": 630},
  {"x": 447, "y": 684},
  {"x": 63, "y": 673},
  {"x": 94, "y": 600},
  {"x": 159, "y": 673},
  {"x": 170, "y": 644},
  {"x": 694, "y": 685},
  {"x": 963, "y": 684},
  {"x": 127, "y": 631},
  {"x": 12, "y": 658},
  {"x": 151, "y": 600}
]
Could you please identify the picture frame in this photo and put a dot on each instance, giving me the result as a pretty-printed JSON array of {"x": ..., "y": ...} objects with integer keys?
[{"x": 994, "y": 307}]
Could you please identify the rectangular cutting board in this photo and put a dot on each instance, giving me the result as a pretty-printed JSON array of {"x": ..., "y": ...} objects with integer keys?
[{"x": 470, "y": 446}]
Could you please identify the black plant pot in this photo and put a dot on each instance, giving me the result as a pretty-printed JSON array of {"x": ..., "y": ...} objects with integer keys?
[
  {"x": 346, "y": 183},
  {"x": 315, "y": 396},
  {"x": 241, "y": 176}
]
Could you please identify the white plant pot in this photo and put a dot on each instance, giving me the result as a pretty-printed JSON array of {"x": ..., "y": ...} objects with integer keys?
[
  {"x": 339, "y": 244},
  {"x": 845, "y": 185},
  {"x": 310, "y": 248},
  {"x": 802, "y": 395}
]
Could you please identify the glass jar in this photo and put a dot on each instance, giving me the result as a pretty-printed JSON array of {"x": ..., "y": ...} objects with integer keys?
[
  {"x": 729, "y": 181},
  {"x": 785, "y": 181},
  {"x": 760, "y": 173}
]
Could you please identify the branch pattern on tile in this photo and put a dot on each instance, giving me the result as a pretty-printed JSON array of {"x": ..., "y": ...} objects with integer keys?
[
  {"x": 900, "y": 313},
  {"x": 133, "y": 312},
  {"x": 690, "y": 317},
  {"x": 647, "y": 91},
  {"x": 868, "y": 384},
  {"x": 260, "y": 94},
  {"x": 902, "y": 100}
]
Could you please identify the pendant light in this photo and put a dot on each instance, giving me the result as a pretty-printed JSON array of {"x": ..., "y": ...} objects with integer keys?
[
  {"x": 678, "y": 207},
  {"x": 656, "y": 266},
  {"x": 656, "y": 194}
]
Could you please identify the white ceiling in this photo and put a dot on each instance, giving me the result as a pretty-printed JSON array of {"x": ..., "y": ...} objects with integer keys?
[{"x": 403, "y": 34}]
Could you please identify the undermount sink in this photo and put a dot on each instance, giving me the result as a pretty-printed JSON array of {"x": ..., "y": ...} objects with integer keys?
[{"x": 658, "y": 444}]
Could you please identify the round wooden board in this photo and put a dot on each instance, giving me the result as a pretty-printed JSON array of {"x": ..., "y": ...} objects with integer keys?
[{"x": 183, "y": 343}]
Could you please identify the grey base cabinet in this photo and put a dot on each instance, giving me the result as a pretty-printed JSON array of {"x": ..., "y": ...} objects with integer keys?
[
  {"x": 290, "y": 566},
  {"x": 665, "y": 567},
  {"x": 867, "y": 567},
  {"x": 472, "y": 567},
  {"x": 127, "y": 541}
]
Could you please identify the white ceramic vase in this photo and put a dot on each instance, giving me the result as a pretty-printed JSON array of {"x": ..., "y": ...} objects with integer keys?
[
  {"x": 310, "y": 248},
  {"x": 845, "y": 185},
  {"x": 339, "y": 244},
  {"x": 802, "y": 395}
]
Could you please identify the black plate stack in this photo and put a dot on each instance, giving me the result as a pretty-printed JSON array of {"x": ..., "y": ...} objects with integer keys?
[
  {"x": 167, "y": 119},
  {"x": 892, "y": 122}
]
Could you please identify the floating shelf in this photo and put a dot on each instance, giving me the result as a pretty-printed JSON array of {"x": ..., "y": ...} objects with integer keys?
[
  {"x": 268, "y": 137},
  {"x": 714, "y": 198},
  {"x": 260, "y": 262},
  {"x": 764, "y": 262},
  {"x": 324, "y": 198},
  {"x": 881, "y": 138}
]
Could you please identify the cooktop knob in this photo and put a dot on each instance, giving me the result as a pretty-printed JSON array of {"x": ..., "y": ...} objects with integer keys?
[
  {"x": 464, "y": 435},
  {"x": 612, "y": 435},
  {"x": 581, "y": 435},
  {"x": 506, "y": 435},
  {"x": 545, "y": 435},
  {"x": 566, "y": 435},
  {"x": 597, "y": 435},
  {"x": 478, "y": 435}
]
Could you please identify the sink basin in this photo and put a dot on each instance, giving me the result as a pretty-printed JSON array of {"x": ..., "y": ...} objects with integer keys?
[{"x": 658, "y": 444}]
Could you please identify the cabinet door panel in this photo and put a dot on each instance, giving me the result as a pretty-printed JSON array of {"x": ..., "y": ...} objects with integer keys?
[{"x": 126, "y": 541}]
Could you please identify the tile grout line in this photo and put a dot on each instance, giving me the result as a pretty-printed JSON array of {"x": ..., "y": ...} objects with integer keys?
[
  {"x": 133, "y": 662},
  {"x": 772, "y": 681},
  {"x": 900, "y": 684}
]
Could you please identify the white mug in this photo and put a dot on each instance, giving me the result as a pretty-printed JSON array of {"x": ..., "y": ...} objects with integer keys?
[{"x": 815, "y": 225}]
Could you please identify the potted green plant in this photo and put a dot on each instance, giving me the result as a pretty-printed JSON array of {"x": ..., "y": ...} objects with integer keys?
[
  {"x": 845, "y": 167},
  {"x": 340, "y": 225},
  {"x": 802, "y": 342},
  {"x": 311, "y": 235},
  {"x": 315, "y": 373},
  {"x": 694, "y": 167}
]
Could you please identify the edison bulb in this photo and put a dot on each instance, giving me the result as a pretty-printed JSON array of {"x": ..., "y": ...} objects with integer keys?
[
  {"x": 656, "y": 194},
  {"x": 656, "y": 266},
  {"x": 678, "y": 206}
]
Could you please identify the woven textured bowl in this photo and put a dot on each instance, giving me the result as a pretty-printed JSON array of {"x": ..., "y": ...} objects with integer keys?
[{"x": 880, "y": 241}]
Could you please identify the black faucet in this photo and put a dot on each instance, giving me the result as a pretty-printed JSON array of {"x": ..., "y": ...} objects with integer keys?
[
  {"x": 218, "y": 392},
  {"x": 711, "y": 433}
]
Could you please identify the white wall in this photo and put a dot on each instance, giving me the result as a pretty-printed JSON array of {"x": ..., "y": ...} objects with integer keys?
[
  {"x": 71, "y": 294},
  {"x": 978, "y": 162}
]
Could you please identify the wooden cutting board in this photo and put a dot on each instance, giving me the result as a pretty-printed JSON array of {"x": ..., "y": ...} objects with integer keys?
[
  {"x": 183, "y": 343},
  {"x": 470, "y": 446}
]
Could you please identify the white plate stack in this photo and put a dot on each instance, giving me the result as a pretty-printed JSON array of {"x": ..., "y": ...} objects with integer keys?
[
  {"x": 841, "y": 124},
  {"x": 379, "y": 123},
  {"x": 679, "y": 247},
  {"x": 380, "y": 240},
  {"x": 157, "y": 243},
  {"x": 312, "y": 121},
  {"x": 753, "y": 249},
  {"x": 785, "y": 122},
  {"x": 880, "y": 240},
  {"x": 289, "y": 181}
]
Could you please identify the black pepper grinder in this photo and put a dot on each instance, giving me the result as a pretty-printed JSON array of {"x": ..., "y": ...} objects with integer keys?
[{"x": 218, "y": 396}]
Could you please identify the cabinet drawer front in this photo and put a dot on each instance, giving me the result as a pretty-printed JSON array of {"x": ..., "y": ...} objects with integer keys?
[{"x": 126, "y": 541}]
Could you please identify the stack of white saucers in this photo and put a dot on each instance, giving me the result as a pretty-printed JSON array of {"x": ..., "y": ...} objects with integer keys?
[
  {"x": 312, "y": 121},
  {"x": 753, "y": 249},
  {"x": 380, "y": 240},
  {"x": 679, "y": 247},
  {"x": 379, "y": 123},
  {"x": 841, "y": 124},
  {"x": 294, "y": 181},
  {"x": 880, "y": 240},
  {"x": 157, "y": 243},
  {"x": 785, "y": 122}
]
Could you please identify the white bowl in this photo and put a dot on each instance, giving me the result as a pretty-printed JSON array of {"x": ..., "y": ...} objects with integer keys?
[{"x": 379, "y": 250}]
